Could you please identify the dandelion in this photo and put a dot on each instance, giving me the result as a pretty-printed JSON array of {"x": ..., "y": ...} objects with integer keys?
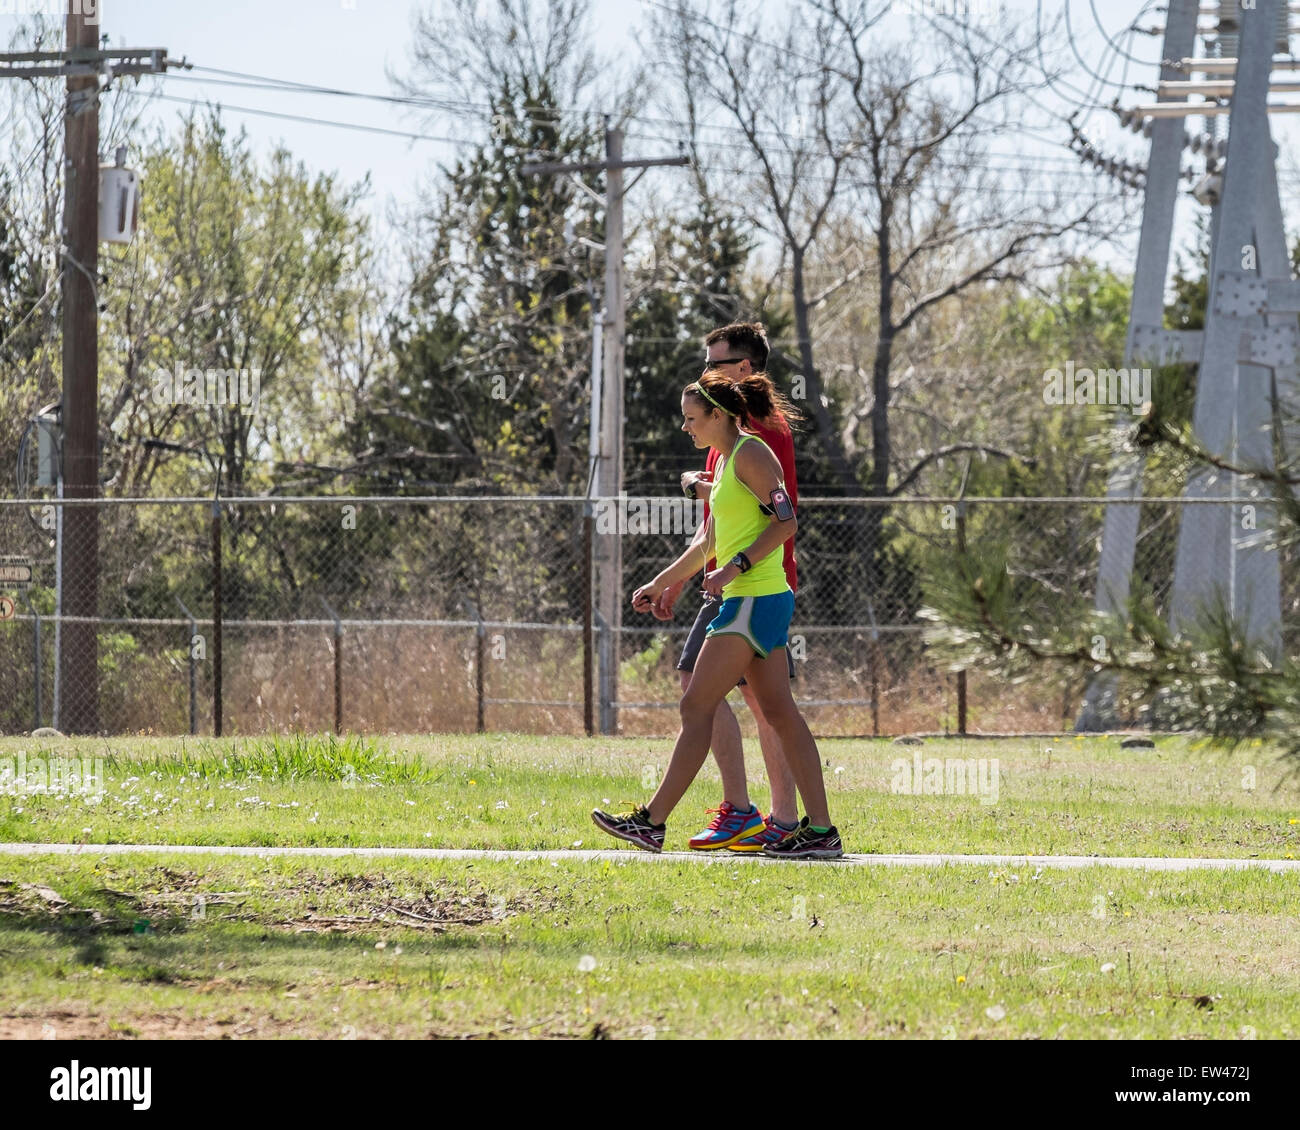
[
  {"x": 961, "y": 980},
  {"x": 1293, "y": 820},
  {"x": 586, "y": 963},
  {"x": 995, "y": 1012},
  {"x": 472, "y": 781}
]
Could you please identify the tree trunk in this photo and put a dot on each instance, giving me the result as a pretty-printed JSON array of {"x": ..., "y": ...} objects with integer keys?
[{"x": 827, "y": 433}]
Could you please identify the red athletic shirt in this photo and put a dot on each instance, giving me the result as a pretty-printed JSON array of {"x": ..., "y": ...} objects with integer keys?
[{"x": 782, "y": 445}]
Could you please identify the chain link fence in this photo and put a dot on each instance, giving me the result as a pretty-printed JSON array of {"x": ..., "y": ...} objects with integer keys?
[{"x": 457, "y": 614}]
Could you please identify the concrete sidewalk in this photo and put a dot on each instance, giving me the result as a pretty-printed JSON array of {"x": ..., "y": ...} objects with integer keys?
[{"x": 632, "y": 854}]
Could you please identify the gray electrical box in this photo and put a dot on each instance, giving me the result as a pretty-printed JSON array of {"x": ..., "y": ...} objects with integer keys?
[{"x": 47, "y": 450}]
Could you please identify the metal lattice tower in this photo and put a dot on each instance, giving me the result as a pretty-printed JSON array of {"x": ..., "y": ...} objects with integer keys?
[{"x": 1247, "y": 352}]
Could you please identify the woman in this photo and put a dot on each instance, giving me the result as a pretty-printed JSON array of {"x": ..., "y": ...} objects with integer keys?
[{"x": 750, "y": 519}]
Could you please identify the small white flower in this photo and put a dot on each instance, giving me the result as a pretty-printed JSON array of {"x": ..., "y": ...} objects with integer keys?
[
  {"x": 995, "y": 1012},
  {"x": 586, "y": 963},
  {"x": 502, "y": 804},
  {"x": 1109, "y": 967}
]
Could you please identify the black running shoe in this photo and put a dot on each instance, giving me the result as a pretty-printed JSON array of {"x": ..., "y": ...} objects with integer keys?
[
  {"x": 634, "y": 826},
  {"x": 804, "y": 843}
]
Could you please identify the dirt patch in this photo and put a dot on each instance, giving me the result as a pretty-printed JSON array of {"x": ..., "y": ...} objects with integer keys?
[
  {"x": 167, "y": 901},
  {"x": 377, "y": 901},
  {"x": 63, "y": 1024}
]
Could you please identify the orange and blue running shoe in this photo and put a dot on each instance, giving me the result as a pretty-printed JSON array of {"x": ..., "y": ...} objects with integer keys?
[
  {"x": 770, "y": 833},
  {"x": 727, "y": 827}
]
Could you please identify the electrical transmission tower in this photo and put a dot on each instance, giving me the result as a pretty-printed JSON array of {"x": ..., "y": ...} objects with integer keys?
[{"x": 1246, "y": 354}]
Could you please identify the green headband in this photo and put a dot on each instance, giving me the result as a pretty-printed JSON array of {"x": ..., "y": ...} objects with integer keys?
[{"x": 697, "y": 387}]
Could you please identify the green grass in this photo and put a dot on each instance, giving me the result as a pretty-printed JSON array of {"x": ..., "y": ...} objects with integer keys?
[
  {"x": 1069, "y": 797},
  {"x": 338, "y": 949},
  {"x": 128, "y": 946}
]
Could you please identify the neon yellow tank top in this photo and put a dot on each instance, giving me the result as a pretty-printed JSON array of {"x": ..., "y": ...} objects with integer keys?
[{"x": 737, "y": 522}]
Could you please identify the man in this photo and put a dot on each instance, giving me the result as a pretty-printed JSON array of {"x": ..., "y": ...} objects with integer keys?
[{"x": 739, "y": 349}]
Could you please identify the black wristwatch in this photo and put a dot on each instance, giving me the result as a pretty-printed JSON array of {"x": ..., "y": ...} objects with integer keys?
[{"x": 741, "y": 562}]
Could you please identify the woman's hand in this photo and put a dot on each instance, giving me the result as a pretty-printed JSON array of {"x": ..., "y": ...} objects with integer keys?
[
  {"x": 716, "y": 581},
  {"x": 644, "y": 599},
  {"x": 663, "y": 606}
]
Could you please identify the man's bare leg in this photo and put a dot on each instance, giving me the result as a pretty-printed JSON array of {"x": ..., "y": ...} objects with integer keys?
[{"x": 785, "y": 805}]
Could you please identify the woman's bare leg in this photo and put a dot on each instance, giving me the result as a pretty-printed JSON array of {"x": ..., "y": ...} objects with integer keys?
[
  {"x": 722, "y": 661},
  {"x": 770, "y": 680}
]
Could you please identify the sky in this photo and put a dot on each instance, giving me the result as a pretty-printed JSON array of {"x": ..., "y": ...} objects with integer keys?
[{"x": 354, "y": 44}]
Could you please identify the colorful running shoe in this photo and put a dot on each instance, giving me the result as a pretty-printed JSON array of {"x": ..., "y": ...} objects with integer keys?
[
  {"x": 634, "y": 826},
  {"x": 805, "y": 843},
  {"x": 728, "y": 826},
  {"x": 770, "y": 833}
]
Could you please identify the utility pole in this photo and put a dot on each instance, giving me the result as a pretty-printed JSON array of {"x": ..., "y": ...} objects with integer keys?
[
  {"x": 82, "y": 64},
  {"x": 79, "y": 656},
  {"x": 608, "y": 402}
]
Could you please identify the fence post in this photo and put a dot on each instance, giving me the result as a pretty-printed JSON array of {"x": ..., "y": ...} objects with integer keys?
[
  {"x": 961, "y": 550},
  {"x": 875, "y": 667},
  {"x": 193, "y": 665},
  {"x": 480, "y": 644},
  {"x": 588, "y": 648},
  {"x": 338, "y": 667},
  {"x": 216, "y": 618},
  {"x": 36, "y": 666}
]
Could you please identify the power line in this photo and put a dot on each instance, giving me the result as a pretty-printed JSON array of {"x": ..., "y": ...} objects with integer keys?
[
  {"x": 300, "y": 118},
  {"x": 1074, "y": 46},
  {"x": 58, "y": 278},
  {"x": 1042, "y": 63},
  {"x": 1131, "y": 30}
]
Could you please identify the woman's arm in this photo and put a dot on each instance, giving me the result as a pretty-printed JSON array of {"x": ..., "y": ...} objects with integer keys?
[{"x": 686, "y": 566}]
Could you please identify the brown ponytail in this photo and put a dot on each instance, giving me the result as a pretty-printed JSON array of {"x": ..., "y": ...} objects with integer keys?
[{"x": 752, "y": 399}]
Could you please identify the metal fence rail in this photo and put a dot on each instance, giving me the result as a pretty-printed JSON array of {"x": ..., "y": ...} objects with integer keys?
[{"x": 425, "y": 614}]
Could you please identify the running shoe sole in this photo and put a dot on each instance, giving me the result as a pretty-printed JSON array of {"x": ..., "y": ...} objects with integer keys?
[
  {"x": 814, "y": 853},
  {"x": 743, "y": 834}
]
